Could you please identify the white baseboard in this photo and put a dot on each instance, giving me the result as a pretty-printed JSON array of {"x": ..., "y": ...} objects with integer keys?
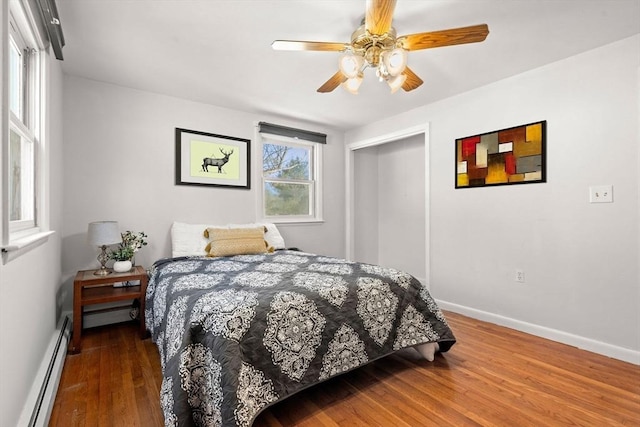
[
  {"x": 39, "y": 404},
  {"x": 588, "y": 344}
]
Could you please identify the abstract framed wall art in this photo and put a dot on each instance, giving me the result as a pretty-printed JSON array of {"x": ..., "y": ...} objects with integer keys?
[
  {"x": 209, "y": 159},
  {"x": 515, "y": 155}
]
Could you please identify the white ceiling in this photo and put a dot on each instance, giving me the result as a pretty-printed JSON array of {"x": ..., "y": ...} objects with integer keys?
[{"x": 219, "y": 51}]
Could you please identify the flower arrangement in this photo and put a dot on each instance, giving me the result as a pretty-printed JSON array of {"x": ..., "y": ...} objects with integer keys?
[
  {"x": 131, "y": 243},
  {"x": 123, "y": 253},
  {"x": 134, "y": 240}
]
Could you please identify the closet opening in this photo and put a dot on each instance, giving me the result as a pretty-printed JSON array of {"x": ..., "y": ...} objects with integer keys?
[{"x": 388, "y": 201}]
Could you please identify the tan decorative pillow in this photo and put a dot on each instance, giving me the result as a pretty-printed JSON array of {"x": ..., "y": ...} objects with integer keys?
[{"x": 235, "y": 241}]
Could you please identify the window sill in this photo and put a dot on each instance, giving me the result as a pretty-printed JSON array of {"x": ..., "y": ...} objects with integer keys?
[
  {"x": 293, "y": 221},
  {"x": 23, "y": 245}
]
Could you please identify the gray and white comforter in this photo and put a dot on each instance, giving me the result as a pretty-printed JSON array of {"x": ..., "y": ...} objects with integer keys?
[{"x": 237, "y": 334}]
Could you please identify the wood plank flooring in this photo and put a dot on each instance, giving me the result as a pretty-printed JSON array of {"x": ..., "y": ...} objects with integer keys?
[{"x": 493, "y": 376}]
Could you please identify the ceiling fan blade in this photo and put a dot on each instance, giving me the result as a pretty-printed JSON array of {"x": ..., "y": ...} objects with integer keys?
[
  {"x": 473, "y": 34},
  {"x": 333, "y": 82},
  {"x": 305, "y": 45},
  {"x": 379, "y": 15},
  {"x": 412, "y": 81}
]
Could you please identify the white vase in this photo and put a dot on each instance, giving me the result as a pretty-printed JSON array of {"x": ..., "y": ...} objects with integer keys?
[{"x": 121, "y": 266}]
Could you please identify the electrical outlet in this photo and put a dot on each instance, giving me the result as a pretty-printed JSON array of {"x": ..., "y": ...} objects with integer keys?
[
  {"x": 519, "y": 276},
  {"x": 601, "y": 194}
]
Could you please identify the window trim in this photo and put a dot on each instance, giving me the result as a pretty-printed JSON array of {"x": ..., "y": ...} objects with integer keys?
[
  {"x": 316, "y": 181},
  {"x": 17, "y": 237}
]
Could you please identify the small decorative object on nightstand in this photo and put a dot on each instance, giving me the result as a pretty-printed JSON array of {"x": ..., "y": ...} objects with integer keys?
[
  {"x": 122, "y": 266},
  {"x": 135, "y": 241},
  {"x": 103, "y": 234},
  {"x": 123, "y": 255}
]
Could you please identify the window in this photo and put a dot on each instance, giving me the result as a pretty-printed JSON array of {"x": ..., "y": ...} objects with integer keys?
[
  {"x": 23, "y": 145},
  {"x": 291, "y": 190}
]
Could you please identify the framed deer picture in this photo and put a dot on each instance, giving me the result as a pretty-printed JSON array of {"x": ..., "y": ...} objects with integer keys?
[{"x": 209, "y": 159}]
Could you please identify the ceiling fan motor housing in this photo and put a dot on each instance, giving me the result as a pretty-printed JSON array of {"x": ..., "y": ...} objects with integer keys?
[{"x": 371, "y": 46}]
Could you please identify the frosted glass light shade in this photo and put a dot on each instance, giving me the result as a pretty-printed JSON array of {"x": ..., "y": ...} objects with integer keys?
[
  {"x": 102, "y": 233},
  {"x": 350, "y": 65},
  {"x": 352, "y": 85},
  {"x": 395, "y": 61},
  {"x": 396, "y": 82}
]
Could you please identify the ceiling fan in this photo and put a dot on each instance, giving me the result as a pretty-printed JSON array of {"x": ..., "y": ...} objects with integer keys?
[{"x": 375, "y": 44}]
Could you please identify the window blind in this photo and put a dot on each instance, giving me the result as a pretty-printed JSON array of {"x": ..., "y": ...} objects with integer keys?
[
  {"x": 47, "y": 20},
  {"x": 307, "y": 135}
]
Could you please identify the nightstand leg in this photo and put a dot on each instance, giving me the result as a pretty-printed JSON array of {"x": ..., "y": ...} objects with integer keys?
[
  {"x": 143, "y": 296},
  {"x": 77, "y": 317}
]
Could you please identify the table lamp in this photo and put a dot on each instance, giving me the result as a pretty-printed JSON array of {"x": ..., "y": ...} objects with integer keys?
[{"x": 103, "y": 234}]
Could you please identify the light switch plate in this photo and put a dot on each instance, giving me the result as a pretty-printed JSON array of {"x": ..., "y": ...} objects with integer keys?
[{"x": 601, "y": 194}]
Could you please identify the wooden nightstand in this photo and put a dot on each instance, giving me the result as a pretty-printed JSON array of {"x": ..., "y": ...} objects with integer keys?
[{"x": 91, "y": 289}]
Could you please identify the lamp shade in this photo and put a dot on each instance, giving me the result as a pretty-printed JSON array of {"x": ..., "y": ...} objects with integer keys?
[
  {"x": 352, "y": 85},
  {"x": 395, "y": 61},
  {"x": 350, "y": 65},
  {"x": 396, "y": 82},
  {"x": 102, "y": 233}
]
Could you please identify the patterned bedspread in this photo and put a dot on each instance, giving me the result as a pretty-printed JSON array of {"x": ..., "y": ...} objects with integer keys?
[{"x": 237, "y": 334}]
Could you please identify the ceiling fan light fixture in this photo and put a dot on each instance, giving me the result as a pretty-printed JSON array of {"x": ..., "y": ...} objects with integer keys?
[
  {"x": 375, "y": 44},
  {"x": 395, "y": 61},
  {"x": 353, "y": 84},
  {"x": 396, "y": 82},
  {"x": 350, "y": 64}
]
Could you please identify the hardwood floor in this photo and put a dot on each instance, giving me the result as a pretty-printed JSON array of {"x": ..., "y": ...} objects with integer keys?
[{"x": 493, "y": 376}]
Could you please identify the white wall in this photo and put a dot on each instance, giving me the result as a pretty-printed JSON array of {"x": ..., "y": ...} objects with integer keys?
[
  {"x": 401, "y": 205},
  {"x": 119, "y": 165},
  {"x": 389, "y": 208},
  {"x": 580, "y": 260},
  {"x": 365, "y": 205},
  {"x": 30, "y": 284}
]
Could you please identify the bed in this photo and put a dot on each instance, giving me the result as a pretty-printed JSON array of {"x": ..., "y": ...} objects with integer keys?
[{"x": 238, "y": 333}]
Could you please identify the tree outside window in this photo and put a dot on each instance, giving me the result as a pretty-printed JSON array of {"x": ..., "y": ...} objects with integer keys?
[{"x": 289, "y": 179}]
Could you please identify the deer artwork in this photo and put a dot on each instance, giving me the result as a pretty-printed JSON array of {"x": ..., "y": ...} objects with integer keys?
[{"x": 211, "y": 161}]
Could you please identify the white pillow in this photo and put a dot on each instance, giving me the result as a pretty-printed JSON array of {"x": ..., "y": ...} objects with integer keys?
[{"x": 189, "y": 240}]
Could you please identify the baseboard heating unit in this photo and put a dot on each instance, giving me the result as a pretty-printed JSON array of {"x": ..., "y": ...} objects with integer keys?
[{"x": 39, "y": 404}]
